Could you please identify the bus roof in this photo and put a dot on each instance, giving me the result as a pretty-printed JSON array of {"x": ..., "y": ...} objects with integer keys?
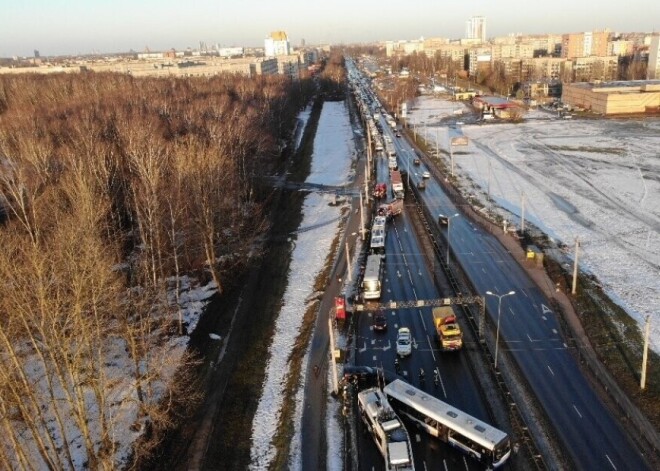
[
  {"x": 372, "y": 270},
  {"x": 471, "y": 427}
]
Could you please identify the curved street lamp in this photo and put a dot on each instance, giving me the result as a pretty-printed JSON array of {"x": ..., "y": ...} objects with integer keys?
[
  {"x": 499, "y": 307},
  {"x": 442, "y": 218}
]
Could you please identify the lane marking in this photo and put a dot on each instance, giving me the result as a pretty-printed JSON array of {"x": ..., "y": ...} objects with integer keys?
[
  {"x": 442, "y": 383},
  {"x": 551, "y": 372},
  {"x": 432, "y": 352},
  {"x": 576, "y": 410},
  {"x": 608, "y": 459}
]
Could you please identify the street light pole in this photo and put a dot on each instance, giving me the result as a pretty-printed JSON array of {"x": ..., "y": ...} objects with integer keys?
[
  {"x": 449, "y": 218},
  {"x": 499, "y": 311}
]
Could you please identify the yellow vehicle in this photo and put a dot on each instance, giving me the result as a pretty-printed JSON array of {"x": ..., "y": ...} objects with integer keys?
[{"x": 450, "y": 336}]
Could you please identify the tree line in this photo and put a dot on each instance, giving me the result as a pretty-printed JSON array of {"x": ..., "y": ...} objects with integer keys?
[{"x": 113, "y": 188}]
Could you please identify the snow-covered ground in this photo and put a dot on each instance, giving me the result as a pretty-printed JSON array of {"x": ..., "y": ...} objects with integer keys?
[
  {"x": 597, "y": 180},
  {"x": 331, "y": 162}
]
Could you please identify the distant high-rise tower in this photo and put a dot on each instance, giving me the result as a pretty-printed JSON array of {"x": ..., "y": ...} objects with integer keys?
[
  {"x": 653, "y": 70},
  {"x": 277, "y": 44},
  {"x": 36, "y": 54},
  {"x": 475, "y": 28}
]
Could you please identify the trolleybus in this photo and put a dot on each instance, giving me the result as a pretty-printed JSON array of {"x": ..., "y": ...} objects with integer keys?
[
  {"x": 371, "y": 284},
  {"x": 459, "y": 429}
]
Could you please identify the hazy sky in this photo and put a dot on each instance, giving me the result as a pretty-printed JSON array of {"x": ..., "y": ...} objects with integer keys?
[{"x": 57, "y": 27}]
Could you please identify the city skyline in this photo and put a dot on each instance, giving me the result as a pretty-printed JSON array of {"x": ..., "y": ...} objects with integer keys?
[{"x": 67, "y": 27}]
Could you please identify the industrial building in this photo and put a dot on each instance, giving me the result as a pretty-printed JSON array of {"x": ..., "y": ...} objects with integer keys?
[{"x": 614, "y": 98}]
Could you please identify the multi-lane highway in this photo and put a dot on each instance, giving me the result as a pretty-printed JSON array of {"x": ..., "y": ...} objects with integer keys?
[{"x": 529, "y": 334}]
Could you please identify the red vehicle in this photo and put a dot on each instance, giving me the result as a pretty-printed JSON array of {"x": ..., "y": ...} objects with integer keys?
[
  {"x": 380, "y": 190},
  {"x": 340, "y": 308}
]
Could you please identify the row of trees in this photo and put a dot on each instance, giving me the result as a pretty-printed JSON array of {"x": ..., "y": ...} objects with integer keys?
[{"x": 111, "y": 187}]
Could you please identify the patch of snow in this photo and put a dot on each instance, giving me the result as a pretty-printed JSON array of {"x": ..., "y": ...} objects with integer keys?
[
  {"x": 331, "y": 160},
  {"x": 598, "y": 180}
]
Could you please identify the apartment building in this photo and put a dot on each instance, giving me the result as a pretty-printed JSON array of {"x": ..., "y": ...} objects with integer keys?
[
  {"x": 395, "y": 48},
  {"x": 591, "y": 43},
  {"x": 475, "y": 28},
  {"x": 653, "y": 69},
  {"x": 539, "y": 68},
  {"x": 277, "y": 44},
  {"x": 594, "y": 68}
]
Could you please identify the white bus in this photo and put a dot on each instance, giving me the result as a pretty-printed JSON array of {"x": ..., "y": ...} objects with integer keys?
[
  {"x": 371, "y": 284},
  {"x": 378, "y": 235},
  {"x": 387, "y": 430},
  {"x": 459, "y": 429}
]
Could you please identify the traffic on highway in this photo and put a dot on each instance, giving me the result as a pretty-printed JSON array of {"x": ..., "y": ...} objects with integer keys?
[{"x": 416, "y": 336}]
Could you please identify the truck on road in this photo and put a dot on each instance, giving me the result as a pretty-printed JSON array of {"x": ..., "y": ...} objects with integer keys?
[
  {"x": 380, "y": 190},
  {"x": 450, "y": 336},
  {"x": 391, "y": 209},
  {"x": 397, "y": 184}
]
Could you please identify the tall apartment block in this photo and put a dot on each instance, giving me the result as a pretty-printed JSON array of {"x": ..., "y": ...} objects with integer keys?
[
  {"x": 277, "y": 44},
  {"x": 653, "y": 70},
  {"x": 475, "y": 28}
]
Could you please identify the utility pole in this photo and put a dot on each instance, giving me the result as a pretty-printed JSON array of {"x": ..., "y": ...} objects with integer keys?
[
  {"x": 451, "y": 155},
  {"x": 645, "y": 356},
  {"x": 575, "y": 265},
  {"x": 333, "y": 363},
  {"x": 366, "y": 180},
  {"x": 489, "y": 171},
  {"x": 522, "y": 216},
  {"x": 361, "y": 218}
]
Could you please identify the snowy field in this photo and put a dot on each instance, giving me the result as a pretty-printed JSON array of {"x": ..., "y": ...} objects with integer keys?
[
  {"x": 331, "y": 162},
  {"x": 597, "y": 180}
]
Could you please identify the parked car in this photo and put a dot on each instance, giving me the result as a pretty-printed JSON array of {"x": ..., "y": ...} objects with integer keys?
[
  {"x": 379, "y": 321},
  {"x": 421, "y": 184},
  {"x": 426, "y": 174},
  {"x": 404, "y": 342},
  {"x": 416, "y": 162}
]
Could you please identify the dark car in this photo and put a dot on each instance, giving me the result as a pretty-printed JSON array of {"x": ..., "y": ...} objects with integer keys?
[
  {"x": 416, "y": 161},
  {"x": 362, "y": 376},
  {"x": 380, "y": 321}
]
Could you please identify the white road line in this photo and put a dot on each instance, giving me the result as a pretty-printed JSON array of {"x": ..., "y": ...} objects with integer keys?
[
  {"x": 554, "y": 331},
  {"x": 551, "y": 372},
  {"x": 432, "y": 353},
  {"x": 565, "y": 346},
  {"x": 576, "y": 410},
  {"x": 544, "y": 318},
  {"x": 608, "y": 459},
  {"x": 442, "y": 383},
  {"x": 511, "y": 311},
  {"x": 530, "y": 339},
  {"x": 421, "y": 318}
]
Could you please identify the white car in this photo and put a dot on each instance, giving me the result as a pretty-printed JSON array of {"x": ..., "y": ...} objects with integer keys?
[
  {"x": 404, "y": 342},
  {"x": 426, "y": 175}
]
